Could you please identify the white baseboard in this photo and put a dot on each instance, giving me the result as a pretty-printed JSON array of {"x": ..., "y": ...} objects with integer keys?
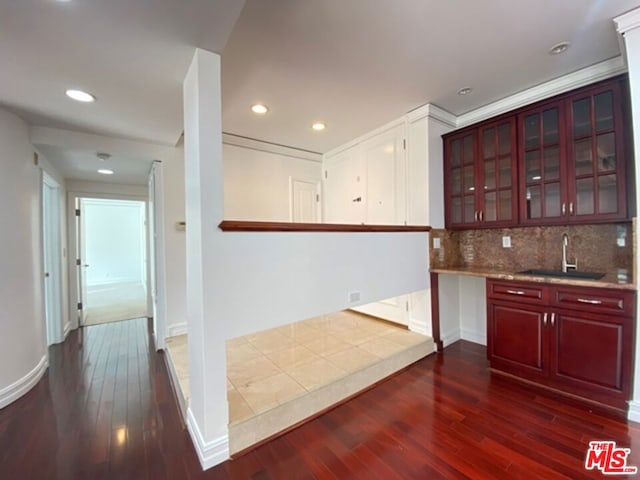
[
  {"x": 177, "y": 329},
  {"x": 473, "y": 336},
  {"x": 450, "y": 337},
  {"x": 209, "y": 453},
  {"x": 67, "y": 329},
  {"x": 418, "y": 327},
  {"x": 634, "y": 411},
  {"x": 22, "y": 386}
]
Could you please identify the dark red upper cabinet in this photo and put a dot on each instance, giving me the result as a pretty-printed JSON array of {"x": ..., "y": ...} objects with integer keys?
[
  {"x": 558, "y": 161},
  {"x": 571, "y": 158},
  {"x": 480, "y": 176}
]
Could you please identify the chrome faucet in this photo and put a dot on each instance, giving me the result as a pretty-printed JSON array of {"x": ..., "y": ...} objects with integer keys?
[{"x": 565, "y": 264}]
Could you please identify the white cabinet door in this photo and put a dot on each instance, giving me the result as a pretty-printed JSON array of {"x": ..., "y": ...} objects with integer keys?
[
  {"x": 344, "y": 188},
  {"x": 384, "y": 159}
]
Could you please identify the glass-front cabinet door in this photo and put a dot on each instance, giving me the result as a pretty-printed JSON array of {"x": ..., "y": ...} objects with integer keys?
[
  {"x": 460, "y": 179},
  {"x": 542, "y": 192},
  {"x": 497, "y": 161},
  {"x": 596, "y": 170}
]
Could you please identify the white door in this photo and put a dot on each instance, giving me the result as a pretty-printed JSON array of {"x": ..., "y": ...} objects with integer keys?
[
  {"x": 305, "y": 201},
  {"x": 384, "y": 159},
  {"x": 52, "y": 259},
  {"x": 81, "y": 256},
  {"x": 344, "y": 188}
]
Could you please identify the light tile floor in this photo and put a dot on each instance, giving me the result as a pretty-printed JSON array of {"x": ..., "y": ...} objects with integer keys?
[{"x": 270, "y": 368}]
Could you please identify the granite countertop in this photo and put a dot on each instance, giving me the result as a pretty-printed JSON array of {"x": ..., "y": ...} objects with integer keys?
[{"x": 610, "y": 280}]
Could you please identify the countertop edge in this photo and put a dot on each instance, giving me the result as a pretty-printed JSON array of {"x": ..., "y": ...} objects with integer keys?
[{"x": 502, "y": 275}]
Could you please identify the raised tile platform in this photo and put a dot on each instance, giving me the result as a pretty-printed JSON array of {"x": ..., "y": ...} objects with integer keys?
[{"x": 279, "y": 377}]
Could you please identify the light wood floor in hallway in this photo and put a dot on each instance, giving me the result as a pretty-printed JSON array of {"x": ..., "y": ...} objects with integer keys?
[{"x": 105, "y": 410}]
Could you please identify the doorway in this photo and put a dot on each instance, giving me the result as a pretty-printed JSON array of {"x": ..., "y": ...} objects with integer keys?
[
  {"x": 113, "y": 260},
  {"x": 52, "y": 259},
  {"x": 305, "y": 200}
]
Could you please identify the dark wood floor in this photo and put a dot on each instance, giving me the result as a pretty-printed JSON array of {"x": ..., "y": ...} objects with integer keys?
[{"x": 105, "y": 410}]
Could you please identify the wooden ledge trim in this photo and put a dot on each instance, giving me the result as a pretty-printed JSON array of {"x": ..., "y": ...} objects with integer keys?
[{"x": 244, "y": 226}]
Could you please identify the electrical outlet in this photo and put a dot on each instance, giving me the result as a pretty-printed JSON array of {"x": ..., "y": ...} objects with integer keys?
[
  {"x": 354, "y": 297},
  {"x": 436, "y": 242},
  {"x": 506, "y": 242}
]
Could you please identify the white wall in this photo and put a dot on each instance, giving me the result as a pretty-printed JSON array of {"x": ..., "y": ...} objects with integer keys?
[
  {"x": 22, "y": 343},
  {"x": 106, "y": 189},
  {"x": 256, "y": 182},
  {"x": 473, "y": 309},
  {"x": 115, "y": 241},
  {"x": 175, "y": 242}
]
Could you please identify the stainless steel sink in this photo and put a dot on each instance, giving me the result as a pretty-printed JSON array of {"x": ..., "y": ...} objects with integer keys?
[{"x": 561, "y": 274}]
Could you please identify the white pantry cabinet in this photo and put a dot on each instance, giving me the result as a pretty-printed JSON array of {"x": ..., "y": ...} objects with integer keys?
[{"x": 366, "y": 183}]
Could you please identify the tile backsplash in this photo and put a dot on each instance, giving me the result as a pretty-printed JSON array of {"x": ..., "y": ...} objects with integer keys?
[{"x": 598, "y": 248}]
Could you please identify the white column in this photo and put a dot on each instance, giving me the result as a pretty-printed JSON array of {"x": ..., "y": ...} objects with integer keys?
[
  {"x": 208, "y": 412},
  {"x": 628, "y": 25},
  {"x": 425, "y": 192}
]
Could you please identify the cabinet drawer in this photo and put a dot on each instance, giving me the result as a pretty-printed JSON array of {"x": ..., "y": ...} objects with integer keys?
[
  {"x": 517, "y": 291},
  {"x": 612, "y": 302}
]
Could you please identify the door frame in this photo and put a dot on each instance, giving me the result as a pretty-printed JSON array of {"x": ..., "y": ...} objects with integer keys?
[
  {"x": 52, "y": 286},
  {"x": 314, "y": 181},
  {"x": 73, "y": 198}
]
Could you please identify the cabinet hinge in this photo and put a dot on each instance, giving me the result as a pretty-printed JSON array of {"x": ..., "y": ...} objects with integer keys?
[
  {"x": 326, "y": 175},
  {"x": 317, "y": 197},
  {"x": 404, "y": 143},
  {"x": 79, "y": 305},
  {"x": 406, "y": 306},
  {"x": 78, "y": 262},
  {"x": 77, "y": 212}
]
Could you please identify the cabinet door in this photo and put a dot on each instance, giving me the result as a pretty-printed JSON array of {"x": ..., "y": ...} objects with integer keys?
[
  {"x": 385, "y": 167},
  {"x": 516, "y": 338},
  {"x": 591, "y": 353},
  {"x": 460, "y": 180},
  {"x": 497, "y": 174},
  {"x": 343, "y": 188},
  {"x": 595, "y": 159},
  {"x": 543, "y": 195}
]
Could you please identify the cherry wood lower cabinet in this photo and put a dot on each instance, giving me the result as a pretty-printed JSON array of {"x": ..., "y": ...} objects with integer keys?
[{"x": 576, "y": 340}]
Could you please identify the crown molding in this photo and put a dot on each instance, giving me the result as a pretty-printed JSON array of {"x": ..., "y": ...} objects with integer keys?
[
  {"x": 599, "y": 71},
  {"x": 627, "y": 21},
  {"x": 432, "y": 111},
  {"x": 262, "y": 146}
]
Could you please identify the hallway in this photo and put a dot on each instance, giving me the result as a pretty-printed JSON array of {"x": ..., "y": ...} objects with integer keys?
[{"x": 105, "y": 410}]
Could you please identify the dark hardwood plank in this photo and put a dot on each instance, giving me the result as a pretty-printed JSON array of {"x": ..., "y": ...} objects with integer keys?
[{"x": 105, "y": 410}]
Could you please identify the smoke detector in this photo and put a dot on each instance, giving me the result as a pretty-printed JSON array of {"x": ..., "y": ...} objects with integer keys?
[{"x": 103, "y": 156}]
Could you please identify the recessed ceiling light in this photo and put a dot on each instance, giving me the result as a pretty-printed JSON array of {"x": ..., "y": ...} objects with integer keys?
[
  {"x": 259, "y": 109},
  {"x": 80, "y": 96},
  {"x": 559, "y": 48},
  {"x": 465, "y": 91},
  {"x": 105, "y": 171},
  {"x": 319, "y": 126}
]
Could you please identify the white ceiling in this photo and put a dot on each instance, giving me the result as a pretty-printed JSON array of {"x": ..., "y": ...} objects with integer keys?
[
  {"x": 131, "y": 54},
  {"x": 359, "y": 64},
  {"x": 84, "y": 164},
  {"x": 355, "y": 64}
]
